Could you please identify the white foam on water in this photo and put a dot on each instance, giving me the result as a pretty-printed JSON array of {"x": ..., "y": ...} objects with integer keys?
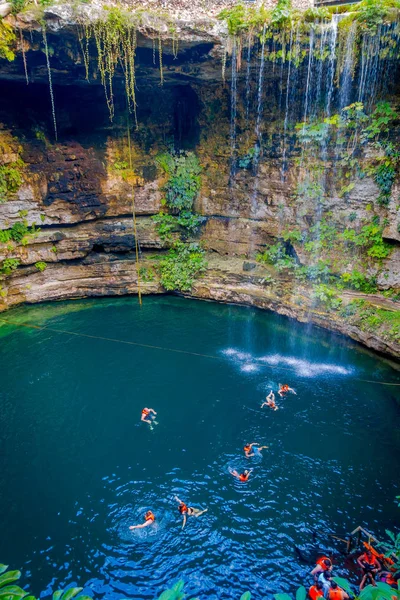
[{"x": 301, "y": 366}]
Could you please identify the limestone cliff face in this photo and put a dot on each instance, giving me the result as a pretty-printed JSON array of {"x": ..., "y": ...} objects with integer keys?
[{"x": 80, "y": 189}]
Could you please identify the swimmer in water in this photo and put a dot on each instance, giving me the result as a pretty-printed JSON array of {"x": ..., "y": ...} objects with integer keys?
[
  {"x": 188, "y": 511},
  {"x": 270, "y": 401},
  {"x": 257, "y": 449},
  {"x": 241, "y": 476},
  {"x": 148, "y": 416},
  {"x": 284, "y": 389},
  {"x": 149, "y": 518}
]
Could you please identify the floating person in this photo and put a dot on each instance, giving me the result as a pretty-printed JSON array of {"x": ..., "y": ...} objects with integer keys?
[
  {"x": 256, "y": 449},
  {"x": 189, "y": 511},
  {"x": 336, "y": 593},
  {"x": 370, "y": 566},
  {"x": 148, "y": 416},
  {"x": 270, "y": 401},
  {"x": 326, "y": 579},
  {"x": 241, "y": 476},
  {"x": 316, "y": 591},
  {"x": 323, "y": 564},
  {"x": 149, "y": 518},
  {"x": 389, "y": 578},
  {"x": 284, "y": 389}
]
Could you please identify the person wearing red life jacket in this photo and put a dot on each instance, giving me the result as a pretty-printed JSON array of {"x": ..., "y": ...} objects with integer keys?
[
  {"x": 284, "y": 389},
  {"x": 241, "y": 476},
  {"x": 370, "y": 566},
  {"x": 189, "y": 511},
  {"x": 270, "y": 401},
  {"x": 323, "y": 564},
  {"x": 148, "y": 416},
  {"x": 316, "y": 591},
  {"x": 336, "y": 593},
  {"x": 149, "y": 518},
  {"x": 253, "y": 449}
]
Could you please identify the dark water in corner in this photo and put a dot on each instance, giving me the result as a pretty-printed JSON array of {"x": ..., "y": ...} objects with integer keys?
[{"x": 78, "y": 467}]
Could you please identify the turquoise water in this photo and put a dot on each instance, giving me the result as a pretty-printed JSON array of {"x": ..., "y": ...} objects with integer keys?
[{"x": 78, "y": 467}]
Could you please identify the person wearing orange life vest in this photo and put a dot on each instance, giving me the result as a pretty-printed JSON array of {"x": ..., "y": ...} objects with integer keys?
[
  {"x": 390, "y": 578},
  {"x": 323, "y": 564},
  {"x": 257, "y": 449},
  {"x": 241, "y": 476},
  {"x": 189, "y": 511},
  {"x": 148, "y": 416},
  {"x": 270, "y": 401},
  {"x": 316, "y": 591},
  {"x": 370, "y": 566},
  {"x": 336, "y": 593},
  {"x": 149, "y": 518},
  {"x": 284, "y": 389}
]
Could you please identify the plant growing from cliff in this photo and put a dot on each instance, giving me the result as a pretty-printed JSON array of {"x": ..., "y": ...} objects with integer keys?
[
  {"x": 183, "y": 264},
  {"x": 183, "y": 179},
  {"x": 9, "y": 265},
  {"x": 41, "y": 266},
  {"x": 358, "y": 281},
  {"x": 7, "y": 41},
  {"x": 326, "y": 296},
  {"x": 10, "y": 179},
  {"x": 276, "y": 255},
  {"x": 17, "y": 232},
  {"x": 187, "y": 221},
  {"x": 369, "y": 238}
]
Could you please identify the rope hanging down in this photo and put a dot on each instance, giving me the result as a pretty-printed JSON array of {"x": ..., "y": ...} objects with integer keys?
[
  {"x": 134, "y": 216},
  {"x": 162, "y": 348}
]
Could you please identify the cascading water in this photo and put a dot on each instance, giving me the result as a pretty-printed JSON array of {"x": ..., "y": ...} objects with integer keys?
[
  {"x": 53, "y": 110},
  {"x": 285, "y": 123},
  {"x": 248, "y": 72},
  {"x": 233, "y": 111},
  {"x": 346, "y": 79},
  {"x": 258, "y": 132}
]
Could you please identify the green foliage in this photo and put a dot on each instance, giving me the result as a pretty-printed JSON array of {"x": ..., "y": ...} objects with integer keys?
[
  {"x": 17, "y": 232},
  {"x": 371, "y": 13},
  {"x": 276, "y": 255},
  {"x": 18, "y": 6},
  {"x": 292, "y": 235},
  {"x": 246, "y": 161},
  {"x": 282, "y": 13},
  {"x": 370, "y": 239},
  {"x": 359, "y": 281},
  {"x": 10, "y": 179},
  {"x": 41, "y": 266},
  {"x": 9, "y": 265},
  {"x": 183, "y": 182},
  {"x": 236, "y": 18},
  {"x": 317, "y": 273},
  {"x": 166, "y": 224},
  {"x": 176, "y": 593},
  {"x": 7, "y": 41},
  {"x": 183, "y": 264},
  {"x": 10, "y": 591},
  {"x": 147, "y": 274},
  {"x": 327, "y": 297},
  {"x": 369, "y": 317}
]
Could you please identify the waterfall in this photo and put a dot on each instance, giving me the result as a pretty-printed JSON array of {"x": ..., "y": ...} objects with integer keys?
[
  {"x": 233, "y": 110},
  {"x": 346, "y": 79},
  {"x": 308, "y": 96},
  {"x": 248, "y": 71},
  {"x": 331, "y": 63},
  {"x": 257, "y": 150},
  {"x": 285, "y": 123},
  {"x": 53, "y": 110}
]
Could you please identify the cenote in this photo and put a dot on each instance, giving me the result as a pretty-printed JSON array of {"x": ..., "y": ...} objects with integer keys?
[{"x": 79, "y": 467}]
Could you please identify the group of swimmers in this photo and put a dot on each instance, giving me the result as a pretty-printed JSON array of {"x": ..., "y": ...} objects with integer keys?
[
  {"x": 325, "y": 587},
  {"x": 254, "y": 449}
]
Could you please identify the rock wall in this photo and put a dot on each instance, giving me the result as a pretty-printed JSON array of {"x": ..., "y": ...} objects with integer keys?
[{"x": 79, "y": 191}]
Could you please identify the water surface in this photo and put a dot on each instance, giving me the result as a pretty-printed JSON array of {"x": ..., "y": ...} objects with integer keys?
[{"x": 78, "y": 467}]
